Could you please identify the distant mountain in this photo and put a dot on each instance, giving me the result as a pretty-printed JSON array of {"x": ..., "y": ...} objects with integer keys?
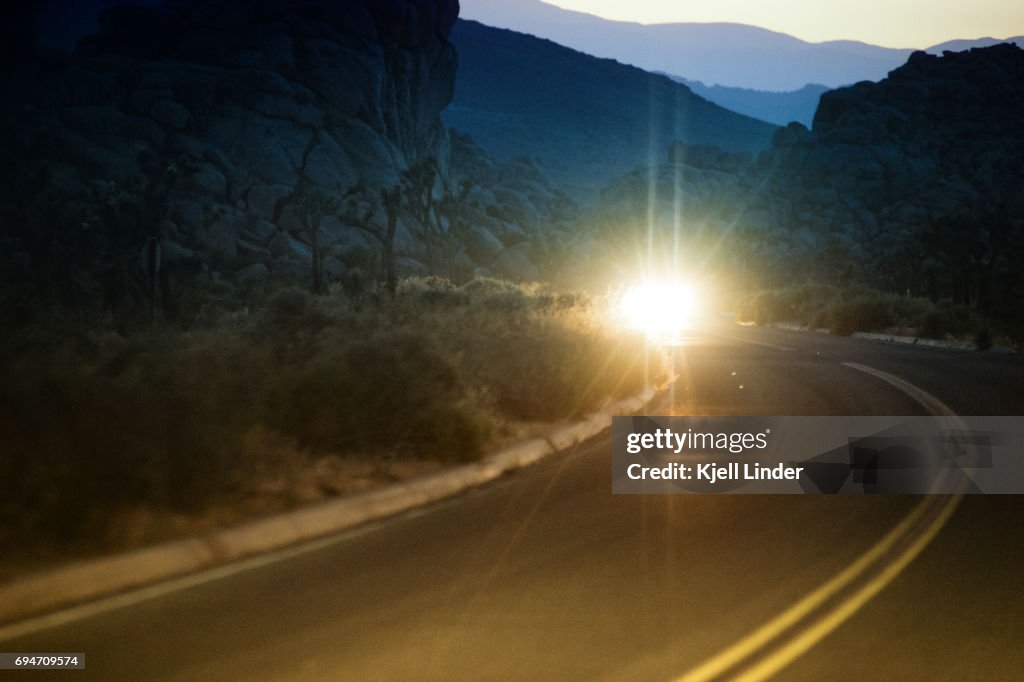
[
  {"x": 586, "y": 120},
  {"x": 734, "y": 55},
  {"x": 780, "y": 108}
]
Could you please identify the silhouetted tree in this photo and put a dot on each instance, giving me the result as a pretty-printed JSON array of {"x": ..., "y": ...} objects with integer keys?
[
  {"x": 435, "y": 206},
  {"x": 313, "y": 205},
  {"x": 360, "y": 210},
  {"x": 391, "y": 199}
]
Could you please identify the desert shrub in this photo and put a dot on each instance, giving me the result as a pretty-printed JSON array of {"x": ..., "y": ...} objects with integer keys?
[
  {"x": 429, "y": 291},
  {"x": 93, "y": 418},
  {"x": 933, "y": 325},
  {"x": 390, "y": 393},
  {"x": 819, "y": 319},
  {"x": 983, "y": 337},
  {"x": 544, "y": 372},
  {"x": 484, "y": 287},
  {"x": 962, "y": 320},
  {"x": 502, "y": 296},
  {"x": 745, "y": 311},
  {"x": 799, "y": 303},
  {"x": 760, "y": 308},
  {"x": 950, "y": 320},
  {"x": 774, "y": 306},
  {"x": 857, "y": 308},
  {"x": 909, "y": 313},
  {"x": 287, "y": 305},
  {"x": 860, "y": 311},
  {"x": 158, "y": 423},
  {"x": 539, "y": 356}
]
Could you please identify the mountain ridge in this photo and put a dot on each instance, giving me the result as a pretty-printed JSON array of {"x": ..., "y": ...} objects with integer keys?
[
  {"x": 736, "y": 55},
  {"x": 586, "y": 119},
  {"x": 779, "y": 108}
]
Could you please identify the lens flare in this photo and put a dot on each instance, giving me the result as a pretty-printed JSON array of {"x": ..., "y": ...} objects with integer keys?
[{"x": 659, "y": 310}]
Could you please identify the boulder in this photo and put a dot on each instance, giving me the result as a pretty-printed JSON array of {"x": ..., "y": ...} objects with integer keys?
[
  {"x": 328, "y": 166},
  {"x": 483, "y": 247},
  {"x": 334, "y": 269},
  {"x": 410, "y": 267},
  {"x": 250, "y": 252},
  {"x": 95, "y": 160},
  {"x": 252, "y": 273},
  {"x": 271, "y": 150},
  {"x": 172, "y": 253},
  {"x": 141, "y": 101},
  {"x": 285, "y": 246},
  {"x": 263, "y": 200},
  {"x": 187, "y": 213},
  {"x": 110, "y": 123},
  {"x": 512, "y": 264},
  {"x": 294, "y": 268},
  {"x": 181, "y": 144},
  {"x": 245, "y": 101},
  {"x": 206, "y": 180},
  {"x": 170, "y": 114}
]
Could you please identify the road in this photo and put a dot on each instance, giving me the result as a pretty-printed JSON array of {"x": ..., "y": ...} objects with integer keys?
[{"x": 544, "y": 575}]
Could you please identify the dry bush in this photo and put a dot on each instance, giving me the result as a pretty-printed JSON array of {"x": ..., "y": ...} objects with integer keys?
[{"x": 93, "y": 421}]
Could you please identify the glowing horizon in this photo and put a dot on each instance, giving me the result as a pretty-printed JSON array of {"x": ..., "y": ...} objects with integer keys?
[{"x": 888, "y": 23}]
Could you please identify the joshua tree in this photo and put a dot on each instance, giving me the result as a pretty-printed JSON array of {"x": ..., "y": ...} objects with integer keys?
[
  {"x": 361, "y": 209},
  {"x": 435, "y": 206},
  {"x": 423, "y": 193},
  {"x": 418, "y": 194},
  {"x": 313, "y": 205},
  {"x": 392, "y": 201}
]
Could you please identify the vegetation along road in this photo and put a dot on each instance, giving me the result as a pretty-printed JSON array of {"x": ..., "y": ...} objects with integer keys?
[{"x": 546, "y": 575}]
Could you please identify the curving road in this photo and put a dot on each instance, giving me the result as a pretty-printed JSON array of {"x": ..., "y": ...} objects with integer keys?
[{"x": 546, "y": 575}]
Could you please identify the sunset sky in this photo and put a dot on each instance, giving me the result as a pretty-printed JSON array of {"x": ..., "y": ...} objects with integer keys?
[{"x": 892, "y": 23}]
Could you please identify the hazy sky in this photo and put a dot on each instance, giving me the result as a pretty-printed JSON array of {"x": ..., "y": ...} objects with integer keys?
[{"x": 892, "y": 23}]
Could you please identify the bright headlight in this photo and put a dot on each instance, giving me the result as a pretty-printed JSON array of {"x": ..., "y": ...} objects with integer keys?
[{"x": 659, "y": 309}]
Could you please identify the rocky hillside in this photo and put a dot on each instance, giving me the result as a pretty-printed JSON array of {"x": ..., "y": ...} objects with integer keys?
[
  {"x": 585, "y": 120},
  {"x": 941, "y": 133},
  {"x": 891, "y": 168},
  {"x": 207, "y": 126},
  {"x": 911, "y": 183}
]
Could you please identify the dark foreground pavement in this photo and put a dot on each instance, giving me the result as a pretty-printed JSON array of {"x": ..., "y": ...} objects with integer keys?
[{"x": 546, "y": 575}]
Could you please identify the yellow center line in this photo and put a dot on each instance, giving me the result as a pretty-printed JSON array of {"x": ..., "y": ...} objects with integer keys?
[
  {"x": 763, "y": 635},
  {"x": 816, "y": 631},
  {"x": 813, "y": 634}
]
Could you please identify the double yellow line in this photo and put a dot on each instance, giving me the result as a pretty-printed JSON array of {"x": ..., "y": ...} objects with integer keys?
[
  {"x": 817, "y": 630},
  {"x": 914, "y": 533}
]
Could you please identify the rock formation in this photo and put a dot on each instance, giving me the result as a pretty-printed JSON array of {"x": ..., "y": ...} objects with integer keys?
[{"x": 202, "y": 123}]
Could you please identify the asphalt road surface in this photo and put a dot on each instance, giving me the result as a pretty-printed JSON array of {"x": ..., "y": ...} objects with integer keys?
[{"x": 545, "y": 575}]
